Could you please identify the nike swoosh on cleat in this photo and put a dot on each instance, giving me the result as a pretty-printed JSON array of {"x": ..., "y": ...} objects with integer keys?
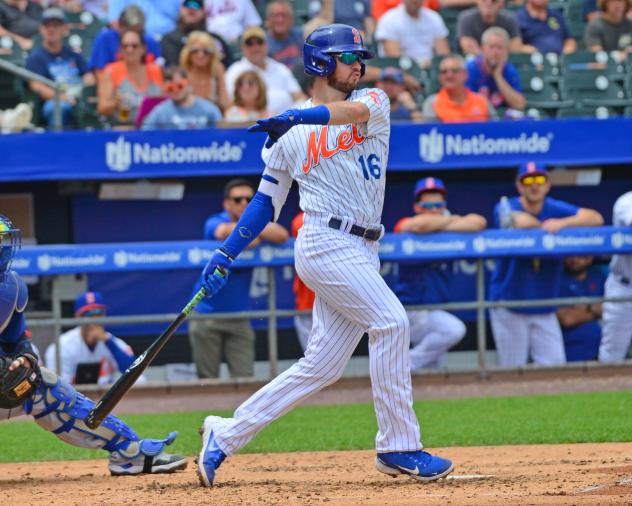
[{"x": 409, "y": 471}]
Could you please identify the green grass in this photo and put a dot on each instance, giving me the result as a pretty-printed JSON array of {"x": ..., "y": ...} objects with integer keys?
[{"x": 569, "y": 418}]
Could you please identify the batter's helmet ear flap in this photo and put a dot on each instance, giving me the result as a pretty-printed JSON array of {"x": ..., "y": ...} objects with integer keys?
[{"x": 316, "y": 62}]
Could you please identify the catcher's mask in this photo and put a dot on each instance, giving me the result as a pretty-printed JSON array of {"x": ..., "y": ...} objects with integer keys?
[{"x": 10, "y": 242}]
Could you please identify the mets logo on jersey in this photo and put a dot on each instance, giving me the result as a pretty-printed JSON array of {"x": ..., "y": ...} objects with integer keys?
[
  {"x": 375, "y": 96},
  {"x": 317, "y": 145}
]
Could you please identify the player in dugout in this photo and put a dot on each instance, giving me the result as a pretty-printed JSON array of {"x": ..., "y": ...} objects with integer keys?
[{"x": 26, "y": 388}]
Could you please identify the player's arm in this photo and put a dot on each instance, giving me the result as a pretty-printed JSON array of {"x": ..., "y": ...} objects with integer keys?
[
  {"x": 469, "y": 223},
  {"x": 571, "y": 316},
  {"x": 524, "y": 220},
  {"x": 263, "y": 208},
  {"x": 583, "y": 218},
  {"x": 423, "y": 224}
]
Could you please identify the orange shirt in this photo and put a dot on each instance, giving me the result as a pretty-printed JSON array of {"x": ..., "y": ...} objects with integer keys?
[
  {"x": 304, "y": 297},
  {"x": 118, "y": 72},
  {"x": 474, "y": 108},
  {"x": 379, "y": 7}
]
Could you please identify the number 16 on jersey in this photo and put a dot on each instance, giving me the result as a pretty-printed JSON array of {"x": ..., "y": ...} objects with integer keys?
[{"x": 370, "y": 166}]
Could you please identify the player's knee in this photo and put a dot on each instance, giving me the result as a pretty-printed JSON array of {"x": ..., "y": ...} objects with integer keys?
[
  {"x": 394, "y": 325},
  {"x": 457, "y": 331}
]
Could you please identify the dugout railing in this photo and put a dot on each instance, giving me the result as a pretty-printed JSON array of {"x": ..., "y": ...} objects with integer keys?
[{"x": 41, "y": 260}]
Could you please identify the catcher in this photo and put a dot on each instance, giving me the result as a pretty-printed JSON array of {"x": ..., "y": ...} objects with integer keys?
[{"x": 25, "y": 388}]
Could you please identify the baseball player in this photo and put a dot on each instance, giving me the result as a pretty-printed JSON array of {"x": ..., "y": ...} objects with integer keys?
[
  {"x": 432, "y": 333},
  {"x": 90, "y": 343},
  {"x": 616, "y": 331},
  {"x": 519, "y": 332},
  {"x": 335, "y": 146},
  {"x": 57, "y": 407}
]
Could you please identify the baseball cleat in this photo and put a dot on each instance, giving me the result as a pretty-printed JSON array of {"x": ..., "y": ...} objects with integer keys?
[
  {"x": 147, "y": 458},
  {"x": 211, "y": 456},
  {"x": 418, "y": 465}
]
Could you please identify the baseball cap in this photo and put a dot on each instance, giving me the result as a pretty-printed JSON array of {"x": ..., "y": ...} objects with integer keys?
[
  {"x": 90, "y": 302},
  {"x": 429, "y": 184},
  {"x": 254, "y": 31},
  {"x": 392, "y": 73},
  {"x": 193, "y": 4},
  {"x": 53, "y": 13},
  {"x": 531, "y": 169}
]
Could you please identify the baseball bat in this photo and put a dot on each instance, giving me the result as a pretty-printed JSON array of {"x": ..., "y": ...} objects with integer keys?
[{"x": 116, "y": 392}]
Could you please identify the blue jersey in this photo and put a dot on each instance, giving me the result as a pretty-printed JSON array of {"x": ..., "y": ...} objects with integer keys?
[
  {"x": 106, "y": 49},
  {"x": 581, "y": 342},
  {"x": 235, "y": 295},
  {"x": 547, "y": 36},
  {"x": 425, "y": 283},
  {"x": 480, "y": 81},
  {"x": 530, "y": 278}
]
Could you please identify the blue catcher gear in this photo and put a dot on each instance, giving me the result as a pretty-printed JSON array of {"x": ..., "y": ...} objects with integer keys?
[
  {"x": 329, "y": 40},
  {"x": 59, "y": 408},
  {"x": 13, "y": 298},
  {"x": 10, "y": 242}
]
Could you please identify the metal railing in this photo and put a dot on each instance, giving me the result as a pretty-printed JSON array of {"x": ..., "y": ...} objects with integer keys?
[
  {"x": 27, "y": 75},
  {"x": 480, "y": 305}
]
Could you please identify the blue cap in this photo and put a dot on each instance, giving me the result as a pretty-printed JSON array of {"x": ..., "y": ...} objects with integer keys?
[
  {"x": 89, "y": 302},
  {"x": 392, "y": 73},
  {"x": 429, "y": 184},
  {"x": 531, "y": 169}
]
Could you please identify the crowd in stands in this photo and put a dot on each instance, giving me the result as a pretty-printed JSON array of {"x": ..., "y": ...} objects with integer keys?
[{"x": 460, "y": 60}]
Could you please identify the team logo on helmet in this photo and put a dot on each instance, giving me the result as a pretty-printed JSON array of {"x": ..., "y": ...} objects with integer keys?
[{"x": 357, "y": 39}]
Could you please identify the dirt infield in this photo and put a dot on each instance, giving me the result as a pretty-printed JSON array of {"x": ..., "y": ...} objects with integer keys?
[{"x": 552, "y": 474}]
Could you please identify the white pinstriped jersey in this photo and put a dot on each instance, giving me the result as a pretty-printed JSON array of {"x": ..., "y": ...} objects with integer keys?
[
  {"x": 622, "y": 217},
  {"x": 340, "y": 169}
]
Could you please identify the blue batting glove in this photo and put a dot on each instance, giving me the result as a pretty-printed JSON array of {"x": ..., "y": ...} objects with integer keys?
[
  {"x": 276, "y": 126},
  {"x": 215, "y": 274}
]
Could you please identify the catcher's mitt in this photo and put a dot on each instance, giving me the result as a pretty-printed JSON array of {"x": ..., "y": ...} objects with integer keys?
[{"x": 18, "y": 385}]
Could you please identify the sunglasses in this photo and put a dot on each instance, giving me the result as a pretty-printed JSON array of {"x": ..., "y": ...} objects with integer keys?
[
  {"x": 349, "y": 58},
  {"x": 175, "y": 86},
  {"x": 130, "y": 46},
  {"x": 239, "y": 200},
  {"x": 248, "y": 82},
  {"x": 433, "y": 205},
  {"x": 93, "y": 312},
  {"x": 529, "y": 180},
  {"x": 450, "y": 70},
  {"x": 202, "y": 50},
  {"x": 254, "y": 41}
]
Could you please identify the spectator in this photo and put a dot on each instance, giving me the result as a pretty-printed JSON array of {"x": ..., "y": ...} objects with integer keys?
[
  {"x": 90, "y": 344},
  {"x": 201, "y": 59},
  {"x": 160, "y": 16},
  {"x": 414, "y": 31},
  {"x": 125, "y": 83},
  {"x": 519, "y": 332},
  {"x": 472, "y": 23},
  {"x": 616, "y": 330},
  {"x": 380, "y": 7},
  {"x": 98, "y": 8},
  {"x": 59, "y": 63},
  {"x": 303, "y": 296},
  {"x": 612, "y": 31},
  {"x": 491, "y": 75},
  {"x": 231, "y": 19},
  {"x": 403, "y": 107},
  {"x": 434, "y": 332},
  {"x": 282, "y": 88},
  {"x": 544, "y": 30},
  {"x": 580, "y": 323},
  {"x": 455, "y": 103},
  {"x": 106, "y": 48},
  {"x": 233, "y": 338},
  {"x": 250, "y": 100},
  {"x": 192, "y": 18},
  {"x": 20, "y": 20},
  {"x": 285, "y": 41},
  {"x": 182, "y": 110},
  {"x": 356, "y": 13}
]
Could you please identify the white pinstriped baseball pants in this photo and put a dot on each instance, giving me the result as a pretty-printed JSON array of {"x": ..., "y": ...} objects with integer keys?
[{"x": 351, "y": 299}]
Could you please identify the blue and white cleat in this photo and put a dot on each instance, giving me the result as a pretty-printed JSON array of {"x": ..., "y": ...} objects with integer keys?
[
  {"x": 418, "y": 465},
  {"x": 211, "y": 456}
]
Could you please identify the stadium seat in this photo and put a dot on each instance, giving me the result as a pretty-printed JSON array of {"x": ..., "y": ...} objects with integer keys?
[
  {"x": 86, "y": 112},
  {"x": 593, "y": 88},
  {"x": 600, "y": 112},
  {"x": 585, "y": 61},
  {"x": 576, "y": 21},
  {"x": 450, "y": 16},
  {"x": 12, "y": 88},
  {"x": 546, "y": 66}
]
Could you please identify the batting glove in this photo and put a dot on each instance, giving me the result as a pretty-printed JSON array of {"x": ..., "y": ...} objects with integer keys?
[
  {"x": 278, "y": 125},
  {"x": 215, "y": 274}
]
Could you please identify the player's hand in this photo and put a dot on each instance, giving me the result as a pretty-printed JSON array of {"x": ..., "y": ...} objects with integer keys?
[
  {"x": 553, "y": 225},
  {"x": 276, "y": 126},
  {"x": 215, "y": 274},
  {"x": 20, "y": 361}
]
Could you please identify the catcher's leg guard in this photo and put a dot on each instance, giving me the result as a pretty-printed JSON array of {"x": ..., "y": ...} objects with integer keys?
[{"x": 59, "y": 408}]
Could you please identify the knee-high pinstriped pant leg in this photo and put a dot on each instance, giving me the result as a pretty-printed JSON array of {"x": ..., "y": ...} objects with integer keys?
[{"x": 351, "y": 298}]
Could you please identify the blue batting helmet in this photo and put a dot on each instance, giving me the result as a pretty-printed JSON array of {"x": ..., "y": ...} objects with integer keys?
[
  {"x": 328, "y": 40},
  {"x": 10, "y": 242}
]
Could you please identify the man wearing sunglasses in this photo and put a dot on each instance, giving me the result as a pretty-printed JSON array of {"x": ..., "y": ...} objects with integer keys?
[
  {"x": 234, "y": 338},
  {"x": 532, "y": 331},
  {"x": 432, "y": 333},
  {"x": 282, "y": 89},
  {"x": 335, "y": 146},
  {"x": 182, "y": 110}
]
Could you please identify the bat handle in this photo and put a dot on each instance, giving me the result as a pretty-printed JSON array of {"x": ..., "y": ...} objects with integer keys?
[{"x": 92, "y": 421}]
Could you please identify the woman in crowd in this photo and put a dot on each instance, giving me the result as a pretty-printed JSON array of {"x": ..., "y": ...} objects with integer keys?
[
  {"x": 250, "y": 100},
  {"x": 202, "y": 61},
  {"x": 126, "y": 82}
]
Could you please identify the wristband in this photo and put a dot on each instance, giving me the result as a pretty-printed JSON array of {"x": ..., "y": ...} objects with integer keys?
[{"x": 318, "y": 115}]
